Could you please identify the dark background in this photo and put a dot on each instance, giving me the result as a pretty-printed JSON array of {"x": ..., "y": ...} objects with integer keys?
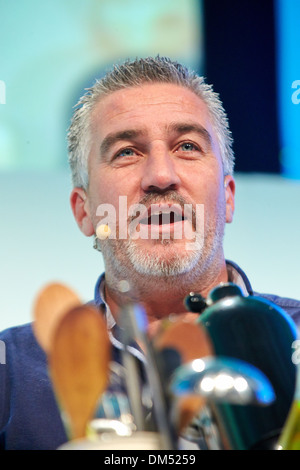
[{"x": 240, "y": 62}]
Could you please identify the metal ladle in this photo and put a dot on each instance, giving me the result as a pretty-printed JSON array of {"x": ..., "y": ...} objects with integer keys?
[
  {"x": 223, "y": 379},
  {"x": 219, "y": 380}
]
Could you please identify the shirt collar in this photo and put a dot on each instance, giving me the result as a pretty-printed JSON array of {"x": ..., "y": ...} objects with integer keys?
[{"x": 109, "y": 317}]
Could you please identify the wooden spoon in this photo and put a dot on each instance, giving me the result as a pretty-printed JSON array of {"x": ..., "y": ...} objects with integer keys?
[
  {"x": 191, "y": 342},
  {"x": 51, "y": 303},
  {"x": 79, "y": 365}
]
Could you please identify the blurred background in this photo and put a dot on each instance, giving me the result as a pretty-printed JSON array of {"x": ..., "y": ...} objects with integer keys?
[{"x": 51, "y": 50}]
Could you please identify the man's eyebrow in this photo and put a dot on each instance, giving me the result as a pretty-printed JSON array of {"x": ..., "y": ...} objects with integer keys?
[
  {"x": 131, "y": 134},
  {"x": 186, "y": 128},
  {"x": 115, "y": 137}
]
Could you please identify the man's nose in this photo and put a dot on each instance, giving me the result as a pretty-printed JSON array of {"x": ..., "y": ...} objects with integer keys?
[{"x": 159, "y": 171}]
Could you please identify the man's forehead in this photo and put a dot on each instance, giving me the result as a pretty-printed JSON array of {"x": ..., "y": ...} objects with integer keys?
[
  {"x": 159, "y": 110},
  {"x": 150, "y": 95}
]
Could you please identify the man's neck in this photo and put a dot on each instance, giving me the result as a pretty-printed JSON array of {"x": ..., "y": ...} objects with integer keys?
[{"x": 160, "y": 297}]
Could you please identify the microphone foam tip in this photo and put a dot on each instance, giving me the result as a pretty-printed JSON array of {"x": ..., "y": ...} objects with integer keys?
[{"x": 103, "y": 231}]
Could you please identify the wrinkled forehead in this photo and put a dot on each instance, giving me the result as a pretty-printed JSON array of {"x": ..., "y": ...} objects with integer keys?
[{"x": 152, "y": 105}]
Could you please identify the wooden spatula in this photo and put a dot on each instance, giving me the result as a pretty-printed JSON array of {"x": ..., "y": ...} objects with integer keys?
[
  {"x": 79, "y": 359},
  {"x": 191, "y": 342},
  {"x": 51, "y": 303}
]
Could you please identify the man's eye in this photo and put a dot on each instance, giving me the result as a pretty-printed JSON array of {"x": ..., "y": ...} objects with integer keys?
[
  {"x": 188, "y": 147},
  {"x": 125, "y": 152}
]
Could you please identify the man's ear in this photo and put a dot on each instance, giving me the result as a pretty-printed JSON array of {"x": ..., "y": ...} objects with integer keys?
[
  {"x": 229, "y": 184},
  {"x": 80, "y": 209}
]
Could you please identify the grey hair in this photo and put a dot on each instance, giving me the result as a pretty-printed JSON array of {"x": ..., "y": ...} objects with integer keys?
[{"x": 135, "y": 73}]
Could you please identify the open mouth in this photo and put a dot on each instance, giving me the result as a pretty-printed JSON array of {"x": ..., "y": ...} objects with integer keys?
[
  {"x": 162, "y": 218},
  {"x": 159, "y": 215},
  {"x": 165, "y": 221}
]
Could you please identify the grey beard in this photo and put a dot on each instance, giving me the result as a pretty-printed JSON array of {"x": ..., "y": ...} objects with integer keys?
[
  {"x": 149, "y": 265},
  {"x": 125, "y": 260}
]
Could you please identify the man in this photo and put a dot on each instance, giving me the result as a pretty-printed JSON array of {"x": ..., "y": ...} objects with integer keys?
[
  {"x": 152, "y": 168},
  {"x": 155, "y": 143}
]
